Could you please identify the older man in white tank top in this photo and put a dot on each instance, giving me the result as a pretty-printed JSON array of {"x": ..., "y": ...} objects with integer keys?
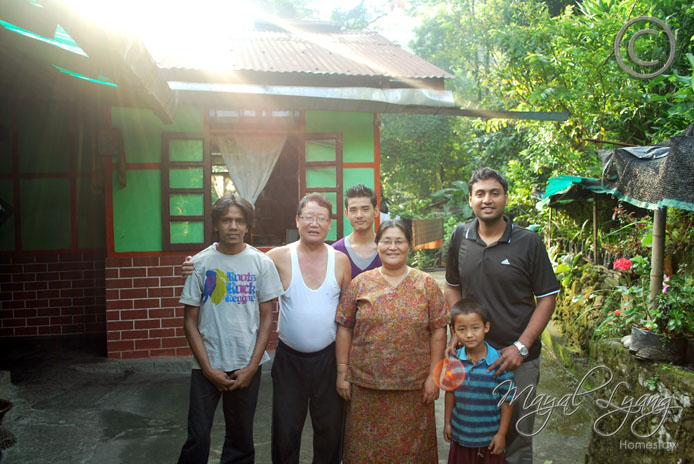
[{"x": 304, "y": 370}]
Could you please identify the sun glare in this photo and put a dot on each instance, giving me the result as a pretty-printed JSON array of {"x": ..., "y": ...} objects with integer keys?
[{"x": 168, "y": 24}]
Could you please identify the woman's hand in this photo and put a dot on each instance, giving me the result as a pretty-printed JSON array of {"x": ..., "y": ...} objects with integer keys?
[
  {"x": 430, "y": 392},
  {"x": 344, "y": 388}
]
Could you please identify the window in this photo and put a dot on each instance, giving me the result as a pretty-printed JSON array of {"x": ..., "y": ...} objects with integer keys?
[{"x": 186, "y": 192}]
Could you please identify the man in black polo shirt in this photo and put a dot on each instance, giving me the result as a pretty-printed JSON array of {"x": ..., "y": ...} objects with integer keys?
[{"x": 506, "y": 268}]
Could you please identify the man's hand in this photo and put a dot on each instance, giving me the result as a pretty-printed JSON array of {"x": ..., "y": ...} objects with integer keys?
[
  {"x": 452, "y": 347},
  {"x": 242, "y": 378},
  {"x": 430, "y": 392},
  {"x": 187, "y": 267},
  {"x": 344, "y": 388},
  {"x": 509, "y": 360},
  {"x": 219, "y": 379},
  {"x": 498, "y": 444}
]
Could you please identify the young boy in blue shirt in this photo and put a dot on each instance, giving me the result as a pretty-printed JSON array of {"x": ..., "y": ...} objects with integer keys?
[{"x": 478, "y": 413}]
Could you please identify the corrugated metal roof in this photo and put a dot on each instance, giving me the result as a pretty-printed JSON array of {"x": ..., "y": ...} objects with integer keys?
[{"x": 344, "y": 53}]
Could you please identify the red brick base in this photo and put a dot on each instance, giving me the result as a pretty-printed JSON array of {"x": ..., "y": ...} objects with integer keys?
[
  {"x": 143, "y": 316},
  {"x": 52, "y": 293}
]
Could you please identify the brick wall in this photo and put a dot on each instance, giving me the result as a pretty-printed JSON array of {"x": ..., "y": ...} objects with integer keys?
[
  {"x": 143, "y": 316},
  {"x": 53, "y": 293}
]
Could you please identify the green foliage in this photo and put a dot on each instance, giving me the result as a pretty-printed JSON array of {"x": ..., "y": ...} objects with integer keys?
[
  {"x": 628, "y": 303},
  {"x": 674, "y": 313},
  {"x": 518, "y": 55},
  {"x": 454, "y": 200}
]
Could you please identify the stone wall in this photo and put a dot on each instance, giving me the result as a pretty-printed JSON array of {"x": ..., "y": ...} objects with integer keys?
[
  {"x": 648, "y": 388},
  {"x": 660, "y": 391}
]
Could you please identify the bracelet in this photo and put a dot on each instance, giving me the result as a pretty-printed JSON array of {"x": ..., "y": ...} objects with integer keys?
[{"x": 342, "y": 364}]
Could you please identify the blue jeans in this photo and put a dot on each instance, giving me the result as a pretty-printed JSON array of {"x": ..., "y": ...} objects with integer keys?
[{"x": 239, "y": 410}]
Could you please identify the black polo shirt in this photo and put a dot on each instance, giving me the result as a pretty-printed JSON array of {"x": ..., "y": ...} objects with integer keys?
[{"x": 506, "y": 277}]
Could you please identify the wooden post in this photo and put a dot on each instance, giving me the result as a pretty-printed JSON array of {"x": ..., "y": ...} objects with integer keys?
[
  {"x": 549, "y": 229},
  {"x": 595, "y": 229},
  {"x": 657, "y": 254}
]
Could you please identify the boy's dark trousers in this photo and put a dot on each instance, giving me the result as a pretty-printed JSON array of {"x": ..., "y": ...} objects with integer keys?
[{"x": 239, "y": 410}]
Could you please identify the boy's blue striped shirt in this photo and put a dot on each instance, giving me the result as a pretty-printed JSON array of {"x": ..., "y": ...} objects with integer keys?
[{"x": 477, "y": 411}]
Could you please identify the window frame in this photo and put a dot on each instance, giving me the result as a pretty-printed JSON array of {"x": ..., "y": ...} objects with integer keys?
[{"x": 167, "y": 191}]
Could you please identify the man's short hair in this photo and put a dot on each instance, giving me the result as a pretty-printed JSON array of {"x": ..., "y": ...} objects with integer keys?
[
  {"x": 315, "y": 198},
  {"x": 469, "y": 306},
  {"x": 484, "y": 174},
  {"x": 220, "y": 207},
  {"x": 360, "y": 191},
  {"x": 385, "y": 225}
]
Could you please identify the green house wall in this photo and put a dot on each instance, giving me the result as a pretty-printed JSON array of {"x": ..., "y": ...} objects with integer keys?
[
  {"x": 137, "y": 206},
  {"x": 137, "y": 214},
  {"x": 61, "y": 201},
  {"x": 357, "y": 147}
]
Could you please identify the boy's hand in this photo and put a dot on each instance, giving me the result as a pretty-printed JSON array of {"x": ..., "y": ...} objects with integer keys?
[
  {"x": 447, "y": 432},
  {"x": 187, "y": 267},
  {"x": 498, "y": 444}
]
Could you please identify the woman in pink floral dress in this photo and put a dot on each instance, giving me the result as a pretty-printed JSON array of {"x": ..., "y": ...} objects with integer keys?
[{"x": 391, "y": 334}]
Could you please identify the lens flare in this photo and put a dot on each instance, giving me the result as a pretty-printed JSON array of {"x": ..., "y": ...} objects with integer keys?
[{"x": 449, "y": 374}]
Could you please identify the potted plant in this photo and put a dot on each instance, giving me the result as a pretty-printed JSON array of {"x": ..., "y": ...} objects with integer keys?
[
  {"x": 658, "y": 332},
  {"x": 673, "y": 315}
]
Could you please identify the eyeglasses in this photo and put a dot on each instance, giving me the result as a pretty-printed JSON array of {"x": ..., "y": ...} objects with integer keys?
[
  {"x": 389, "y": 243},
  {"x": 312, "y": 219}
]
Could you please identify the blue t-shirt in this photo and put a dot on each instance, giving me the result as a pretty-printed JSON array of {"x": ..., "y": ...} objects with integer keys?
[{"x": 477, "y": 410}]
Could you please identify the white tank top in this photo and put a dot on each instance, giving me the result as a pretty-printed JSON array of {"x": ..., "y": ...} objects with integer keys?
[{"x": 307, "y": 316}]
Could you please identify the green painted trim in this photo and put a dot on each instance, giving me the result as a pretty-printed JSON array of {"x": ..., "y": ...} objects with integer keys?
[
  {"x": 57, "y": 43},
  {"x": 105, "y": 81}
]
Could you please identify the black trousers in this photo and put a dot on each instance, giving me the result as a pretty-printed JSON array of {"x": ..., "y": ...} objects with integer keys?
[
  {"x": 305, "y": 382},
  {"x": 239, "y": 410}
]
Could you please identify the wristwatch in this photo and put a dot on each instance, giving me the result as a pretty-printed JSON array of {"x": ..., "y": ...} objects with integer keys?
[{"x": 522, "y": 349}]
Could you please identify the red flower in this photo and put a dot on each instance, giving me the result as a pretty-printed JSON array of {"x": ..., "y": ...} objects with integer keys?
[
  {"x": 617, "y": 312},
  {"x": 623, "y": 264}
]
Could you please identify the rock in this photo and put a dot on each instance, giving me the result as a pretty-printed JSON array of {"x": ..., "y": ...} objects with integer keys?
[{"x": 626, "y": 341}]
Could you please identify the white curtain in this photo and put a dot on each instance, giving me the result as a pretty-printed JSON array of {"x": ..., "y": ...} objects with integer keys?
[{"x": 250, "y": 160}]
